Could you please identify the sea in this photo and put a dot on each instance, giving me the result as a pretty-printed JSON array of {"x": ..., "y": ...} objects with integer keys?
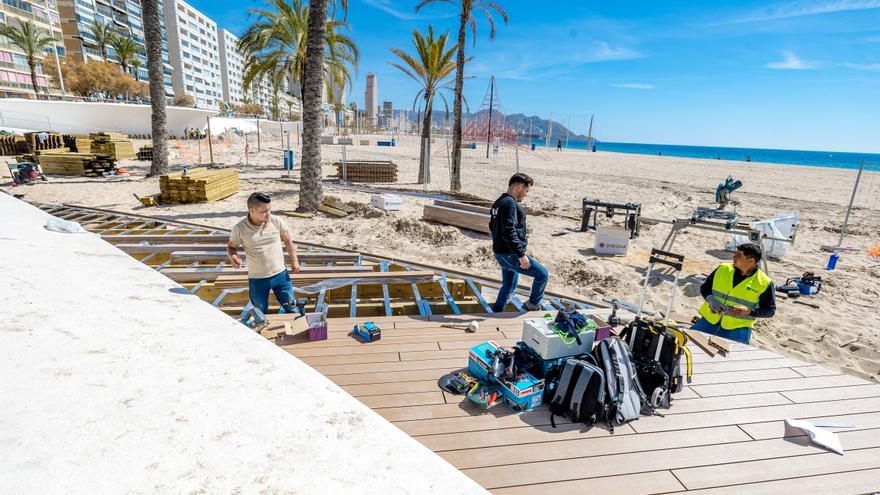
[{"x": 833, "y": 159}]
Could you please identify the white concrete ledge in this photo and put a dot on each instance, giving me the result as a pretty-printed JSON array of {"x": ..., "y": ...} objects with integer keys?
[{"x": 111, "y": 381}]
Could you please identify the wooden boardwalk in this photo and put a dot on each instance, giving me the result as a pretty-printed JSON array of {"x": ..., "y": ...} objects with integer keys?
[{"x": 723, "y": 434}]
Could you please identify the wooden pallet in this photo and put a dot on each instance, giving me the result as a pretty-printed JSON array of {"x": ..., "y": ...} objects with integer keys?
[
  {"x": 51, "y": 141},
  {"x": 113, "y": 144},
  {"x": 83, "y": 164},
  {"x": 78, "y": 143}
]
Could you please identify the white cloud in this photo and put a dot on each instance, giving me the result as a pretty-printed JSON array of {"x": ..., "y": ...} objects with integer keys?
[
  {"x": 800, "y": 8},
  {"x": 634, "y": 86},
  {"x": 791, "y": 61},
  {"x": 387, "y": 6},
  {"x": 869, "y": 67}
]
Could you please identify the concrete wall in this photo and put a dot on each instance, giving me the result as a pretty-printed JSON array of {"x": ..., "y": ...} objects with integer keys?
[
  {"x": 83, "y": 117},
  {"x": 114, "y": 380}
]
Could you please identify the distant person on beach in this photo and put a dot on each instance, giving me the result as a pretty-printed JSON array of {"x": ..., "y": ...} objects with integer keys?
[
  {"x": 736, "y": 294},
  {"x": 507, "y": 222},
  {"x": 264, "y": 238},
  {"x": 748, "y": 158},
  {"x": 558, "y": 144},
  {"x": 718, "y": 157}
]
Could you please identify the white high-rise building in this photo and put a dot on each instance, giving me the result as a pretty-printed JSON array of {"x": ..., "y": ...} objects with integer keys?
[
  {"x": 371, "y": 99},
  {"x": 231, "y": 67},
  {"x": 193, "y": 46}
]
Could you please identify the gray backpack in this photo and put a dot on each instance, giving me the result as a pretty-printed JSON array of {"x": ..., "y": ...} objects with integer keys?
[
  {"x": 624, "y": 397},
  {"x": 580, "y": 393}
]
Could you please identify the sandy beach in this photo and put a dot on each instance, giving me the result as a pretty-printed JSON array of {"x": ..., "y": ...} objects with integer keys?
[{"x": 841, "y": 333}]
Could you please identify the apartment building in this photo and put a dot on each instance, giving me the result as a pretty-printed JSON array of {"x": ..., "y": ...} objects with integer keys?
[
  {"x": 123, "y": 16},
  {"x": 194, "y": 49},
  {"x": 261, "y": 93},
  {"x": 15, "y": 75}
]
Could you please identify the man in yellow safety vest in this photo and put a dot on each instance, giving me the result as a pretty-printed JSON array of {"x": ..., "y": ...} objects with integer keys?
[{"x": 736, "y": 295}]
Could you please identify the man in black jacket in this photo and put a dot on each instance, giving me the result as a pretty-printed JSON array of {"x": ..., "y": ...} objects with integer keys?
[{"x": 508, "y": 226}]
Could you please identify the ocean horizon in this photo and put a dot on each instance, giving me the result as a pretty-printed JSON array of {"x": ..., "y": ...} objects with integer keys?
[{"x": 831, "y": 159}]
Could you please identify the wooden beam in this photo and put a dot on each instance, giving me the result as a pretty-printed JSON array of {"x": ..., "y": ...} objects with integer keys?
[
  {"x": 182, "y": 238},
  {"x": 211, "y": 274},
  {"x": 312, "y": 257},
  {"x": 460, "y": 218},
  {"x": 301, "y": 279}
]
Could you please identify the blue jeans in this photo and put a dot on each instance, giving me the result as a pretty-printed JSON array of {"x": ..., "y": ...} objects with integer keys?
[
  {"x": 737, "y": 335},
  {"x": 510, "y": 272},
  {"x": 280, "y": 284}
]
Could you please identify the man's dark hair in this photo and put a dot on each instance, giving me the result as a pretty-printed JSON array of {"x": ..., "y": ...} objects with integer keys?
[
  {"x": 521, "y": 179},
  {"x": 752, "y": 251},
  {"x": 258, "y": 199}
]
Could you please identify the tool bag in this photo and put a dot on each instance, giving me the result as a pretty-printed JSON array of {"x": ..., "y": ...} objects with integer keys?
[
  {"x": 657, "y": 351},
  {"x": 580, "y": 392},
  {"x": 624, "y": 397},
  {"x": 657, "y": 348}
]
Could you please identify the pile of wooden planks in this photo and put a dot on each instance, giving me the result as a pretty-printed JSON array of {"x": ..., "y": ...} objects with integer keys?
[
  {"x": 333, "y": 206},
  {"x": 367, "y": 171},
  {"x": 145, "y": 154},
  {"x": 78, "y": 143},
  {"x": 199, "y": 185},
  {"x": 44, "y": 141},
  {"x": 86, "y": 164},
  {"x": 464, "y": 215},
  {"x": 12, "y": 145},
  {"x": 114, "y": 144}
]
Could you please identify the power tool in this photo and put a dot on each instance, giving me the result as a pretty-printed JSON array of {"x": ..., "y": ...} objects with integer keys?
[{"x": 369, "y": 331}]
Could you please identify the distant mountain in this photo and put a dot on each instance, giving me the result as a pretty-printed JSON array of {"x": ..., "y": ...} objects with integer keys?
[{"x": 518, "y": 121}]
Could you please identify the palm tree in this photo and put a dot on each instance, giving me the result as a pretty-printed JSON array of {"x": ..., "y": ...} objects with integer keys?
[
  {"x": 431, "y": 67},
  {"x": 275, "y": 46},
  {"x": 30, "y": 40},
  {"x": 311, "y": 191},
  {"x": 338, "y": 108},
  {"x": 467, "y": 8},
  {"x": 153, "y": 38},
  {"x": 136, "y": 67},
  {"x": 103, "y": 34},
  {"x": 126, "y": 49}
]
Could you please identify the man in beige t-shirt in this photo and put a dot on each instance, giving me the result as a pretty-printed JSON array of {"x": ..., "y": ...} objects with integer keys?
[{"x": 264, "y": 239}]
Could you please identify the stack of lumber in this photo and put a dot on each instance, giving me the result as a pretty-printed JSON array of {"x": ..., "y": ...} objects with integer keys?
[
  {"x": 199, "y": 185},
  {"x": 113, "y": 144},
  {"x": 145, "y": 154},
  {"x": 333, "y": 206},
  {"x": 12, "y": 145},
  {"x": 87, "y": 164},
  {"x": 78, "y": 143},
  {"x": 51, "y": 141},
  {"x": 368, "y": 171},
  {"x": 309, "y": 278},
  {"x": 464, "y": 215}
]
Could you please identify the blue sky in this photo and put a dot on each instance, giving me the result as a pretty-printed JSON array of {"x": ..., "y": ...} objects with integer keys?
[{"x": 790, "y": 74}]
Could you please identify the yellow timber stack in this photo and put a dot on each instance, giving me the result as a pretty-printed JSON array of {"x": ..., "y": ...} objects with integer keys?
[{"x": 199, "y": 185}]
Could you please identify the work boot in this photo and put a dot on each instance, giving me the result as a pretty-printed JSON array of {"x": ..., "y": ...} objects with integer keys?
[{"x": 529, "y": 306}]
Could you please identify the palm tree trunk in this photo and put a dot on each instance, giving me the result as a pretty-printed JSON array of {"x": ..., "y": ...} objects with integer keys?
[
  {"x": 455, "y": 180},
  {"x": 424, "y": 168},
  {"x": 32, "y": 64},
  {"x": 310, "y": 192},
  {"x": 158, "y": 117}
]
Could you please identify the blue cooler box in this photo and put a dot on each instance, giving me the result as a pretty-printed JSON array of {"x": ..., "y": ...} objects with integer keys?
[
  {"x": 479, "y": 365},
  {"x": 525, "y": 394}
]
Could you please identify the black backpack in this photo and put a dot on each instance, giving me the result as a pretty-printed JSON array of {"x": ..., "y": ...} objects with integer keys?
[
  {"x": 580, "y": 392},
  {"x": 657, "y": 352}
]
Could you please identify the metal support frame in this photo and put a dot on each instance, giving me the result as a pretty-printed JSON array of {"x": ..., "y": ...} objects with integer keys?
[
  {"x": 447, "y": 295},
  {"x": 352, "y": 311},
  {"x": 478, "y": 295},
  {"x": 383, "y": 266}
]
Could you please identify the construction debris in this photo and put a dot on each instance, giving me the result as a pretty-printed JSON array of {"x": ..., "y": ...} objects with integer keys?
[
  {"x": 199, "y": 185},
  {"x": 145, "y": 154},
  {"x": 464, "y": 215},
  {"x": 367, "y": 171}
]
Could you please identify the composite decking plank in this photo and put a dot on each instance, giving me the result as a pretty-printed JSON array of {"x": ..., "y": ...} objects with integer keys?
[
  {"x": 634, "y": 484},
  {"x": 866, "y": 481},
  {"x": 755, "y": 415},
  {"x": 391, "y": 388},
  {"x": 617, "y": 464},
  {"x": 721, "y": 366},
  {"x": 726, "y": 377},
  {"x": 776, "y": 429},
  {"x": 382, "y": 357},
  {"x": 331, "y": 370},
  {"x": 778, "y": 469},
  {"x": 783, "y": 385},
  {"x": 386, "y": 377},
  {"x": 814, "y": 370},
  {"x": 360, "y": 350},
  {"x": 413, "y": 399},
  {"x": 836, "y": 393},
  {"x": 587, "y": 446}
]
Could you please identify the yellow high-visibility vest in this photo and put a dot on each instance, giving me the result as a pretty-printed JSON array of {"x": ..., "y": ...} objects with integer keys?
[{"x": 747, "y": 293}]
